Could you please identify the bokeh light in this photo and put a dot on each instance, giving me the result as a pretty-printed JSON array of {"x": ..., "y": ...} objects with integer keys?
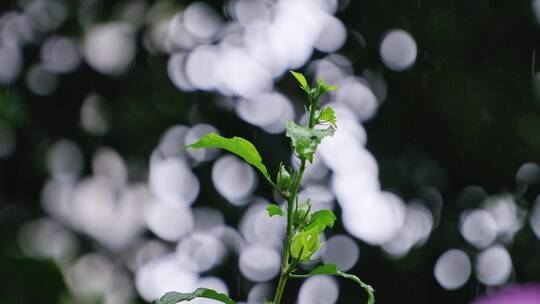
[
  {"x": 100, "y": 99},
  {"x": 320, "y": 289},
  {"x": 398, "y": 50},
  {"x": 453, "y": 269},
  {"x": 493, "y": 266}
]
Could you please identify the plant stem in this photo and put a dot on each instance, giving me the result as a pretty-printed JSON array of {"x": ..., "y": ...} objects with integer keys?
[
  {"x": 284, "y": 275},
  {"x": 312, "y": 110},
  {"x": 285, "y": 265},
  {"x": 281, "y": 286}
]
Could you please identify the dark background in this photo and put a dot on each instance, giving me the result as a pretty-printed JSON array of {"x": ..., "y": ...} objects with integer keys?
[{"x": 464, "y": 114}]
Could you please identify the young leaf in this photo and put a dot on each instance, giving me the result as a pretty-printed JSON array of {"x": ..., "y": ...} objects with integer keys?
[
  {"x": 306, "y": 140},
  {"x": 327, "y": 115},
  {"x": 332, "y": 269},
  {"x": 274, "y": 209},
  {"x": 176, "y": 297},
  {"x": 324, "y": 87},
  {"x": 236, "y": 145},
  {"x": 320, "y": 220},
  {"x": 301, "y": 79}
]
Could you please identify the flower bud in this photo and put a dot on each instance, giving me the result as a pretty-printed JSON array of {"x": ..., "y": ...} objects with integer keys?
[
  {"x": 283, "y": 179},
  {"x": 302, "y": 215},
  {"x": 305, "y": 244}
]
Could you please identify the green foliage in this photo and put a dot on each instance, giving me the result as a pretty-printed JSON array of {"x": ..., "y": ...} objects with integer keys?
[
  {"x": 302, "y": 80},
  {"x": 304, "y": 228},
  {"x": 307, "y": 240},
  {"x": 332, "y": 269},
  {"x": 313, "y": 93},
  {"x": 274, "y": 209},
  {"x": 176, "y": 297},
  {"x": 321, "y": 220},
  {"x": 326, "y": 115},
  {"x": 324, "y": 87},
  {"x": 236, "y": 145},
  {"x": 305, "y": 140}
]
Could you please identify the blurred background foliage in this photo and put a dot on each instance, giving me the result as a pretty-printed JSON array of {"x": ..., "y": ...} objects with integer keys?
[{"x": 465, "y": 114}]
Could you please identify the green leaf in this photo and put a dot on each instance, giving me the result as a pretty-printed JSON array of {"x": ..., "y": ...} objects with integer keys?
[
  {"x": 274, "y": 209},
  {"x": 301, "y": 79},
  {"x": 327, "y": 115},
  {"x": 332, "y": 269},
  {"x": 236, "y": 145},
  {"x": 320, "y": 220},
  {"x": 324, "y": 87},
  {"x": 175, "y": 297},
  {"x": 306, "y": 140}
]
